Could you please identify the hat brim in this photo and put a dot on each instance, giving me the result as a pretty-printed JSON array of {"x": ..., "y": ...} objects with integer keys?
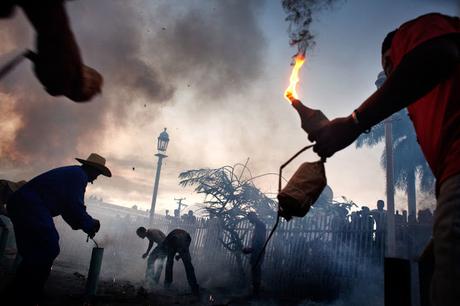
[{"x": 103, "y": 169}]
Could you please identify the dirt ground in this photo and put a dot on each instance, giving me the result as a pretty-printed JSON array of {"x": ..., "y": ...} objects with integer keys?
[{"x": 66, "y": 286}]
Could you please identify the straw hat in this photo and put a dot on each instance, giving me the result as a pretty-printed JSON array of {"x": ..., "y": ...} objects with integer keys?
[{"x": 96, "y": 161}]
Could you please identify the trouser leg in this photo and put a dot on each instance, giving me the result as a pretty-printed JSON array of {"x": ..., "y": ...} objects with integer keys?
[
  {"x": 150, "y": 270},
  {"x": 189, "y": 270},
  {"x": 38, "y": 251},
  {"x": 169, "y": 268},
  {"x": 159, "y": 263},
  {"x": 445, "y": 286},
  {"x": 256, "y": 271}
]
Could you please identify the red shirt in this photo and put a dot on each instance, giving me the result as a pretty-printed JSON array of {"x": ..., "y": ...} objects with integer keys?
[{"x": 436, "y": 116}]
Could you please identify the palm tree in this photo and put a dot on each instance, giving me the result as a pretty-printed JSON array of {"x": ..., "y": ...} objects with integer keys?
[
  {"x": 409, "y": 161},
  {"x": 229, "y": 196}
]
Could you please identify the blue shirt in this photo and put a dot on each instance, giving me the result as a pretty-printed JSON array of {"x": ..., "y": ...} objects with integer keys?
[{"x": 57, "y": 192}]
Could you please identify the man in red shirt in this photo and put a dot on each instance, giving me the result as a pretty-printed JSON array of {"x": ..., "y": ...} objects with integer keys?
[{"x": 422, "y": 62}]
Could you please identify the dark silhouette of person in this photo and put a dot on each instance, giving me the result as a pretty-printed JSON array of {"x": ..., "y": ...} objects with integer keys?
[
  {"x": 156, "y": 257},
  {"x": 176, "y": 213},
  {"x": 178, "y": 242},
  {"x": 379, "y": 216},
  {"x": 31, "y": 208},
  {"x": 257, "y": 244},
  {"x": 57, "y": 61}
]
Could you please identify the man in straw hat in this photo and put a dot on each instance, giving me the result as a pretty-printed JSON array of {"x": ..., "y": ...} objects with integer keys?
[{"x": 31, "y": 208}]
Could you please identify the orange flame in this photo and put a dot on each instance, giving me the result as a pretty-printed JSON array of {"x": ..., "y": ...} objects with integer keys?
[{"x": 291, "y": 93}]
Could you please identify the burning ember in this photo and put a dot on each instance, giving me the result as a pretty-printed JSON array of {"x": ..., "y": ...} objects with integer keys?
[{"x": 291, "y": 93}]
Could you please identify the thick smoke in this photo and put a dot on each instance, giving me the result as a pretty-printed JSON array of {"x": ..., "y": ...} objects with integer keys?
[
  {"x": 146, "y": 53},
  {"x": 300, "y": 16}
]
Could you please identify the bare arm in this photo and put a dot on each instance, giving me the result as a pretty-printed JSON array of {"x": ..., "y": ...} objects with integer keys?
[
  {"x": 417, "y": 74},
  {"x": 148, "y": 248},
  {"x": 58, "y": 64}
]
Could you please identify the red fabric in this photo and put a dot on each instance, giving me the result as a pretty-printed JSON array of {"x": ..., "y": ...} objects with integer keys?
[{"x": 436, "y": 116}]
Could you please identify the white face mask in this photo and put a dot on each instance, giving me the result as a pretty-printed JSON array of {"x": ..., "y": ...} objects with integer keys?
[{"x": 302, "y": 190}]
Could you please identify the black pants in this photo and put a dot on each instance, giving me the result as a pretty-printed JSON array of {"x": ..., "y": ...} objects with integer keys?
[
  {"x": 256, "y": 270},
  {"x": 189, "y": 270},
  {"x": 38, "y": 247}
]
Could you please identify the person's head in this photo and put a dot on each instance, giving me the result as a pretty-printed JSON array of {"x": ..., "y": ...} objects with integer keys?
[
  {"x": 167, "y": 212},
  {"x": 190, "y": 212},
  {"x": 380, "y": 204},
  {"x": 94, "y": 166},
  {"x": 387, "y": 64},
  {"x": 365, "y": 210},
  {"x": 141, "y": 232},
  {"x": 252, "y": 217}
]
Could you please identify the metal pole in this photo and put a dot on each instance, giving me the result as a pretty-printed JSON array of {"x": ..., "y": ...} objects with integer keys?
[{"x": 155, "y": 187}]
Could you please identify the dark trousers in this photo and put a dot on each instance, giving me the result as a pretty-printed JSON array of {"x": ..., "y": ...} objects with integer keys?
[
  {"x": 189, "y": 270},
  {"x": 256, "y": 270},
  {"x": 445, "y": 286},
  {"x": 38, "y": 245}
]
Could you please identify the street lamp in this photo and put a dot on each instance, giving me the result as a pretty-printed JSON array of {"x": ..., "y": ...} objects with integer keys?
[{"x": 162, "y": 145}]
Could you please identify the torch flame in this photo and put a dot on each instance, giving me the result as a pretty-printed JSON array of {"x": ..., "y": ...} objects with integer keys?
[{"x": 291, "y": 93}]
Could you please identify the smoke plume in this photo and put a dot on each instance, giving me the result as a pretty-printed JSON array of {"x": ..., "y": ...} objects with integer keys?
[
  {"x": 300, "y": 16},
  {"x": 146, "y": 51}
]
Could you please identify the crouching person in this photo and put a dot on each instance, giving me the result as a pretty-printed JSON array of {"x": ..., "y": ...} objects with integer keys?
[
  {"x": 31, "y": 208},
  {"x": 156, "y": 258},
  {"x": 178, "y": 241}
]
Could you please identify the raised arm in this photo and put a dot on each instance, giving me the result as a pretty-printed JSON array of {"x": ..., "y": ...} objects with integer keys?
[
  {"x": 418, "y": 73},
  {"x": 58, "y": 63}
]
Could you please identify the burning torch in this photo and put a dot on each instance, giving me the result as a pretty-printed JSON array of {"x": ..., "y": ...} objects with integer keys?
[
  {"x": 307, "y": 183},
  {"x": 311, "y": 119}
]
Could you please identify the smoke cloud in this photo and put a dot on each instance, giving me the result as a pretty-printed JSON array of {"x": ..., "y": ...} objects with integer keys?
[{"x": 147, "y": 53}]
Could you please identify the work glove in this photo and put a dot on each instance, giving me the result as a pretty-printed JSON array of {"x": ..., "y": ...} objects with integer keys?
[{"x": 95, "y": 229}]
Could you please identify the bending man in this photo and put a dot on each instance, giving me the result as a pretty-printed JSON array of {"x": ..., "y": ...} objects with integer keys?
[
  {"x": 178, "y": 241},
  {"x": 31, "y": 208},
  {"x": 156, "y": 257}
]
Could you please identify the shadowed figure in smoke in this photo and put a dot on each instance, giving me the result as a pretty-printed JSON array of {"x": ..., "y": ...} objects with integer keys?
[
  {"x": 57, "y": 192},
  {"x": 156, "y": 258},
  {"x": 258, "y": 239},
  {"x": 178, "y": 241},
  {"x": 57, "y": 63}
]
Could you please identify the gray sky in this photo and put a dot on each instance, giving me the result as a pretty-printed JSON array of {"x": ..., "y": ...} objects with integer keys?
[{"x": 213, "y": 73}]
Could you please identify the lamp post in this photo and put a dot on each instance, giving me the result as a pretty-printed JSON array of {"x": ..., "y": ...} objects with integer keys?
[
  {"x": 390, "y": 190},
  {"x": 162, "y": 145}
]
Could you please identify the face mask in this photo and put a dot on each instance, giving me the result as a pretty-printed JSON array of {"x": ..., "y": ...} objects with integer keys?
[{"x": 302, "y": 190}]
